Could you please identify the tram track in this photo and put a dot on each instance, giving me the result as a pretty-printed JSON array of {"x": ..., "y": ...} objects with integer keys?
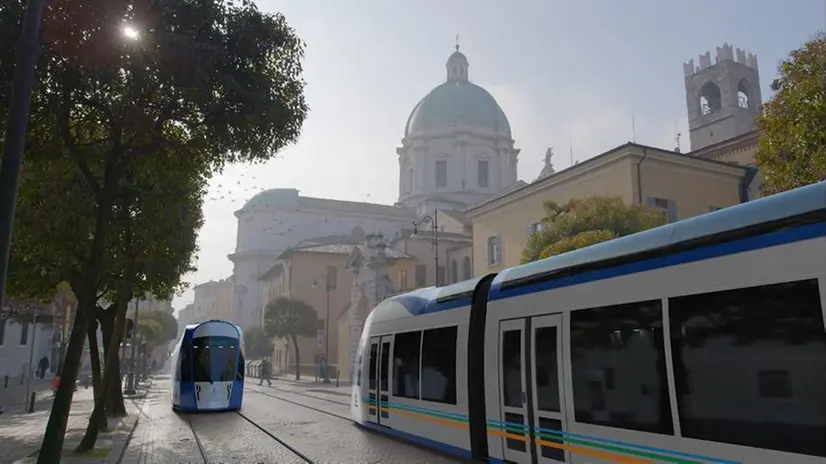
[
  {"x": 312, "y": 408},
  {"x": 260, "y": 435}
]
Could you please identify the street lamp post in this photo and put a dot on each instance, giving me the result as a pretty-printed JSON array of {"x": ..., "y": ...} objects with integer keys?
[
  {"x": 328, "y": 286},
  {"x": 434, "y": 228},
  {"x": 28, "y": 51},
  {"x": 130, "y": 389}
]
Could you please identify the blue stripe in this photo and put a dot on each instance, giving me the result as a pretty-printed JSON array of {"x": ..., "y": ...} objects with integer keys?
[{"x": 780, "y": 237}]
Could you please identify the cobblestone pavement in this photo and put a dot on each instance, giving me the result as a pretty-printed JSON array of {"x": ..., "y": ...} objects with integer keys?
[
  {"x": 163, "y": 436},
  {"x": 22, "y": 433}
]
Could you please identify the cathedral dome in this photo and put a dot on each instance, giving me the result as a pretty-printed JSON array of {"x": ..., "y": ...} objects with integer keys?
[
  {"x": 271, "y": 198},
  {"x": 457, "y": 102}
]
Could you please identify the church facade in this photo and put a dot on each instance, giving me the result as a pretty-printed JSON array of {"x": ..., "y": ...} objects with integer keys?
[{"x": 456, "y": 151}]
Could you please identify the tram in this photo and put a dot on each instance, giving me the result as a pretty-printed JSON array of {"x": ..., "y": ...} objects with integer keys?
[
  {"x": 701, "y": 341},
  {"x": 208, "y": 368}
]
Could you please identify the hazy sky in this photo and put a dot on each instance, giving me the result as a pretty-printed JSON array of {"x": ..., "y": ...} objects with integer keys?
[{"x": 590, "y": 63}]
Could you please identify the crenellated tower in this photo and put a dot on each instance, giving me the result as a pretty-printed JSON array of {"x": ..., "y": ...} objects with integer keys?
[{"x": 723, "y": 99}]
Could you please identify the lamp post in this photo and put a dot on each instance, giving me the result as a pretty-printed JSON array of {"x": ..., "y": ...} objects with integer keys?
[
  {"x": 328, "y": 286},
  {"x": 130, "y": 389},
  {"x": 28, "y": 51},
  {"x": 434, "y": 228}
]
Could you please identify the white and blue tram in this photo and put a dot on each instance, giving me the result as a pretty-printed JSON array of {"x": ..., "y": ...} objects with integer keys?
[
  {"x": 208, "y": 368},
  {"x": 701, "y": 341}
]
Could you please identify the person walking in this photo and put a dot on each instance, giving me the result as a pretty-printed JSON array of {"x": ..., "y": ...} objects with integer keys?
[
  {"x": 266, "y": 372},
  {"x": 43, "y": 366}
]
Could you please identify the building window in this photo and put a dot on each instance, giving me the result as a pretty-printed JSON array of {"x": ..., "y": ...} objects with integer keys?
[
  {"x": 771, "y": 334},
  {"x": 627, "y": 341},
  {"x": 332, "y": 277},
  {"x": 494, "y": 250},
  {"x": 669, "y": 206},
  {"x": 406, "y": 349},
  {"x": 439, "y": 365},
  {"x": 24, "y": 333},
  {"x": 535, "y": 227},
  {"x": 2, "y": 331},
  {"x": 441, "y": 173},
  {"x": 482, "y": 171},
  {"x": 454, "y": 271},
  {"x": 421, "y": 275},
  {"x": 403, "y": 279},
  {"x": 441, "y": 275},
  {"x": 467, "y": 271}
]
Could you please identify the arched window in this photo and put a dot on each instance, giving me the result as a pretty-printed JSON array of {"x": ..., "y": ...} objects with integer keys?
[
  {"x": 466, "y": 270},
  {"x": 454, "y": 271}
]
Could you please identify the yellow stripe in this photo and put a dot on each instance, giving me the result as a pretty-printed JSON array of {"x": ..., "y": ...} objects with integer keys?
[{"x": 500, "y": 433}]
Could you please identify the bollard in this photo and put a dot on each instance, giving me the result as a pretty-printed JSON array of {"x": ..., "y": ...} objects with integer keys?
[
  {"x": 6, "y": 381},
  {"x": 31, "y": 404},
  {"x": 337, "y": 377}
]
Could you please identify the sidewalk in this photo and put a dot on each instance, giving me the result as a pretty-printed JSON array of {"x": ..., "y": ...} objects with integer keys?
[
  {"x": 22, "y": 433},
  {"x": 12, "y": 397}
]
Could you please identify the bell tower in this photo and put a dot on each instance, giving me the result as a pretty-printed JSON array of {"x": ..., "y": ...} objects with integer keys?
[{"x": 723, "y": 99}]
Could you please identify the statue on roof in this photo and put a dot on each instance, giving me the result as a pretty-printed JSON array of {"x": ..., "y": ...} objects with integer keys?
[{"x": 548, "y": 168}]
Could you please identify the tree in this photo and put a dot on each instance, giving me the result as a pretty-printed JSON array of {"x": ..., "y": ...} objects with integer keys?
[
  {"x": 790, "y": 152},
  {"x": 214, "y": 81},
  {"x": 256, "y": 343},
  {"x": 288, "y": 318},
  {"x": 157, "y": 328},
  {"x": 586, "y": 222}
]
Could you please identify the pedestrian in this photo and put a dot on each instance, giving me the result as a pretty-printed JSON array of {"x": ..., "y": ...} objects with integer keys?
[
  {"x": 43, "y": 366},
  {"x": 266, "y": 372}
]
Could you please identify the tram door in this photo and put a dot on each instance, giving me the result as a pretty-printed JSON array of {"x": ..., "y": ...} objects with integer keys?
[
  {"x": 530, "y": 360},
  {"x": 548, "y": 400},
  {"x": 379, "y": 379}
]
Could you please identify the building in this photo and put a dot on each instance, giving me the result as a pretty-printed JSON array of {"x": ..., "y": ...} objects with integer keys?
[
  {"x": 456, "y": 150},
  {"x": 316, "y": 274},
  {"x": 719, "y": 172}
]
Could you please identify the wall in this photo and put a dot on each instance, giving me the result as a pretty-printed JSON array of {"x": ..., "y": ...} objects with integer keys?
[
  {"x": 14, "y": 357},
  {"x": 511, "y": 221},
  {"x": 631, "y": 172}
]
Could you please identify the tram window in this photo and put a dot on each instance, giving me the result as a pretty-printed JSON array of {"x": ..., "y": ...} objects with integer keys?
[
  {"x": 406, "y": 351},
  {"x": 242, "y": 364},
  {"x": 512, "y": 367},
  {"x": 439, "y": 365},
  {"x": 374, "y": 354},
  {"x": 186, "y": 362},
  {"x": 755, "y": 361},
  {"x": 384, "y": 375},
  {"x": 626, "y": 340}
]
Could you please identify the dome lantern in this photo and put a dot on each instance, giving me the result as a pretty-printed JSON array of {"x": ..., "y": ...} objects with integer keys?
[{"x": 457, "y": 66}]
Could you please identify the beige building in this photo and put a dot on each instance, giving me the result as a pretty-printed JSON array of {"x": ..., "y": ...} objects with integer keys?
[
  {"x": 683, "y": 185},
  {"x": 301, "y": 273}
]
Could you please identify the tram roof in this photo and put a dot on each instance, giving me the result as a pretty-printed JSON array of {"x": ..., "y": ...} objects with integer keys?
[{"x": 773, "y": 208}]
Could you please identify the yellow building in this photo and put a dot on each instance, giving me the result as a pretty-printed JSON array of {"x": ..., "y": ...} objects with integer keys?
[
  {"x": 684, "y": 185},
  {"x": 301, "y": 273}
]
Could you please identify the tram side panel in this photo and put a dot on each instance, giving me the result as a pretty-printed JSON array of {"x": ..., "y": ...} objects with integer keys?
[
  {"x": 636, "y": 409},
  {"x": 430, "y": 406}
]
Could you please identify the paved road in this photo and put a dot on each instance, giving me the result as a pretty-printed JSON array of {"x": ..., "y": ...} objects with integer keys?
[{"x": 165, "y": 437}]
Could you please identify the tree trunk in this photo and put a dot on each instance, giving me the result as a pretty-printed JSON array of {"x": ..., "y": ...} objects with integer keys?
[
  {"x": 51, "y": 447},
  {"x": 114, "y": 401},
  {"x": 99, "y": 413},
  {"x": 297, "y": 359},
  {"x": 94, "y": 358}
]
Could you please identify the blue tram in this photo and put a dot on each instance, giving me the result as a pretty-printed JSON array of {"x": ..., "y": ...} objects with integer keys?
[{"x": 208, "y": 368}]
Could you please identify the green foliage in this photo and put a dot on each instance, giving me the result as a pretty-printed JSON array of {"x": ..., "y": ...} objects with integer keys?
[
  {"x": 585, "y": 222},
  {"x": 161, "y": 327},
  {"x": 792, "y": 142},
  {"x": 288, "y": 318},
  {"x": 256, "y": 343}
]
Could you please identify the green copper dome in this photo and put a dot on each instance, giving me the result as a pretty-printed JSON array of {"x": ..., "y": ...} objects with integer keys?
[{"x": 457, "y": 102}]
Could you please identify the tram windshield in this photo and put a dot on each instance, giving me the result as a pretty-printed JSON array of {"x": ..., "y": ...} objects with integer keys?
[{"x": 215, "y": 358}]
